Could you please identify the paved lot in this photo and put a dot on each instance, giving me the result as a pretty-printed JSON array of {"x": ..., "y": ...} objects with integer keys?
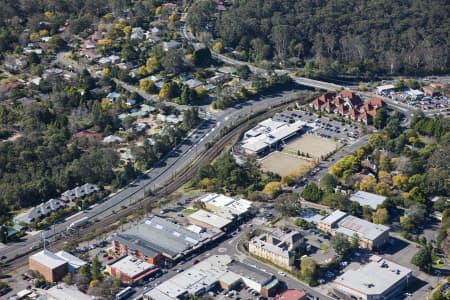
[{"x": 284, "y": 164}]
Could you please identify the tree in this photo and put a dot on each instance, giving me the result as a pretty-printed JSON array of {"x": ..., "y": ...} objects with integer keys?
[
  {"x": 272, "y": 188},
  {"x": 400, "y": 180},
  {"x": 354, "y": 242},
  {"x": 56, "y": 43},
  {"x": 96, "y": 272},
  {"x": 423, "y": 259},
  {"x": 173, "y": 61},
  {"x": 308, "y": 269},
  {"x": 311, "y": 192},
  {"x": 355, "y": 209},
  {"x": 336, "y": 200},
  {"x": 243, "y": 72},
  {"x": 367, "y": 183},
  {"x": 406, "y": 224},
  {"x": 380, "y": 119},
  {"x": 147, "y": 85},
  {"x": 340, "y": 244},
  {"x": 202, "y": 57},
  {"x": 382, "y": 188},
  {"x": 200, "y": 14},
  {"x": 300, "y": 222},
  {"x": 380, "y": 216},
  {"x": 328, "y": 182},
  {"x": 288, "y": 204}
]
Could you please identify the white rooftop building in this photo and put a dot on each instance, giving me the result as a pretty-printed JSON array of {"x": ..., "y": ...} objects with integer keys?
[
  {"x": 222, "y": 203},
  {"x": 207, "y": 219},
  {"x": 370, "y": 235},
  {"x": 378, "y": 279},
  {"x": 268, "y": 134},
  {"x": 369, "y": 199},
  {"x": 64, "y": 292},
  {"x": 385, "y": 88},
  {"x": 207, "y": 274},
  {"x": 74, "y": 262}
]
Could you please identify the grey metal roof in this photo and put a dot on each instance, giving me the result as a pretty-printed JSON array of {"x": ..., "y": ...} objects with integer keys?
[
  {"x": 159, "y": 235},
  {"x": 250, "y": 272}
]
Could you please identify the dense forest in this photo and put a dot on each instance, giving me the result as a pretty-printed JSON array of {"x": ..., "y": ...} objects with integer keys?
[{"x": 357, "y": 37}]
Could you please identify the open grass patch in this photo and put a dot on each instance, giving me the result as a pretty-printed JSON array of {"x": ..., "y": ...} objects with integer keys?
[{"x": 189, "y": 211}]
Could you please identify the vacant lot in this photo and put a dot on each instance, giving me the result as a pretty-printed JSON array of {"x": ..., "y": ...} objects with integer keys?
[
  {"x": 313, "y": 145},
  {"x": 282, "y": 163}
]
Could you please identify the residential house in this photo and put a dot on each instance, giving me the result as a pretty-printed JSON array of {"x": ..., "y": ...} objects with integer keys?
[
  {"x": 40, "y": 211},
  {"x": 79, "y": 192},
  {"x": 170, "y": 45}
]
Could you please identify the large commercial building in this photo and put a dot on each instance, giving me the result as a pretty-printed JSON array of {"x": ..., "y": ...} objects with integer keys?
[
  {"x": 378, "y": 279},
  {"x": 276, "y": 247},
  {"x": 50, "y": 266},
  {"x": 213, "y": 272},
  {"x": 161, "y": 242},
  {"x": 130, "y": 269},
  {"x": 370, "y": 235},
  {"x": 269, "y": 135}
]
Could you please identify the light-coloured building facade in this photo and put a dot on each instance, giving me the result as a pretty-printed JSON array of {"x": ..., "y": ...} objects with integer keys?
[{"x": 277, "y": 248}]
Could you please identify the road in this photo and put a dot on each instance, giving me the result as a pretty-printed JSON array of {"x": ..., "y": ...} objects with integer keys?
[{"x": 180, "y": 157}]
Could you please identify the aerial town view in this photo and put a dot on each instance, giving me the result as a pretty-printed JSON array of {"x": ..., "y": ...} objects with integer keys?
[{"x": 225, "y": 149}]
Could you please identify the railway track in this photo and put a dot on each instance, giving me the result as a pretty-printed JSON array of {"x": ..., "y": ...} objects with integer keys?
[{"x": 173, "y": 185}]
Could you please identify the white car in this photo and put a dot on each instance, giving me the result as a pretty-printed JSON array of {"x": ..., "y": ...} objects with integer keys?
[{"x": 282, "y": 274}]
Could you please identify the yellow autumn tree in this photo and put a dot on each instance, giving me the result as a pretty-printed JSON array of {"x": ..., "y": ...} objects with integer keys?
[
  {"x": 105, "y": 72},
  {"x": 217, "y": 46},
  {"x": 367, "y": 183},
  {"x": 382, "y": 188},
  {"x": 105, "y": 103},
  {"x": 400, "y": 180},
  {"x": 104, "y": 42},
  {"x": 48, "y": 15},
  {"x": 207, "y": 184},
  {"x": 172, "y": 18},
  {"x": 164, "y": 92},
  {"x": 152, "y": 65},
  {"x": 272, "y": 188},
  {"x": 384, "y": 176},
  {"x": 34, "y": 36},
  {"x": 43, "y": 32},
  {"x": 142, "y": 71}
]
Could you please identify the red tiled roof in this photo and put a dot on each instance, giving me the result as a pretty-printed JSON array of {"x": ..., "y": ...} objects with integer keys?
[{"x": 291, "y": 295}]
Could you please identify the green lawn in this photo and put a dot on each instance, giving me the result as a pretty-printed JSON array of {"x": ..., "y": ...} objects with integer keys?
[{"x": 189, "y": 211}]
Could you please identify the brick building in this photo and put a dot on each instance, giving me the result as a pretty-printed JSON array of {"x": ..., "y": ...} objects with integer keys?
[{"x": 49, "y": 265}]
